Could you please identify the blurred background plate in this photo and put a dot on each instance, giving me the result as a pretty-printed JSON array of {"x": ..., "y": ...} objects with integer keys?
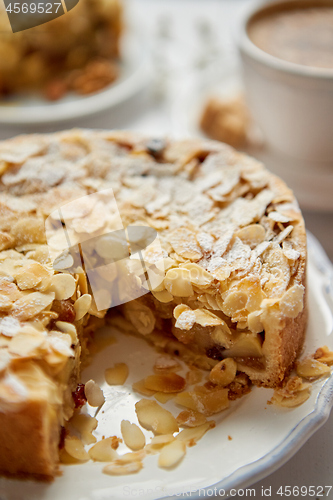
[
  {"x": 33, "y": 109},
  {"x": 251, "y": 439}
]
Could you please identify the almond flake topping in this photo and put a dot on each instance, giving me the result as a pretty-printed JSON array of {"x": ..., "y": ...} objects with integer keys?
[
  {"x": 31, "y": 304},
  {"x": 9, "y": 326},
  {"x": 103, "y": 451},
  {"x": 82, "y": 306},
  {"x": 171, "y": 454},
  {"x": 63, "y": 285}
]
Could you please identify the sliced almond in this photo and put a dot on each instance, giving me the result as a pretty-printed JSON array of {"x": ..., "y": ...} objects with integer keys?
[
  {"x": 323, "y": 354},
  {"x": 163, "y": 397},
  {"x": 290, "y": 402},
  {"x": 164, "y": 296},
  {"x": 155, "y": 418},
  {"x": 251, "y": 235},
  {"x": 117, "y": 375},
  {"x": 82, "y": 306},
  {"x": 162, "y": 440},
  {"x": 67, "y": 459},
  {"x": 133, "y": 456},
  {"x": 74, "y": 447},
  {"x": 69, "y": 328},
  {"x": 84, "y": 424},
  {"x": 5, "y": 304},
  {"x": 94, "y": 394},
  {"x": 204, "y": 401},
  {"x": 140, "y": 387},
  {"x": 172, "y": 454},
  {"x": 169, "y": 382},
  {"x": 165, "y": 364},
  {"x": 292, "y": 301},
  {"x": 187, "y": 399},
  {"x": 140, "y": 315},
  {"x": 294, "y": 393},
  {"x": 198, "y": 275},
  {"x": 177, "y": 282},
  {"x": 194, "y": 376},
  {"x": 9, "y": 290},
  {"x": 223, "y": 372},
  {"x": 103, "y": 451},
  {"x": 115, "y": 469},
  {"x": 63, "y": 285},
  {"x": 312, "y": 368},
  {"x": 190, "y": 418},
  {"x": 191, "y": 436},
  {"x": 186, "y": 320},
  {"x": 155, "y": 447},
  {"x": 31, "y": 304},
  {"x": 132, "y": 435},
  {"x": 9, "y": 326},
  {"x": 185, "y": 244},
  {"x": 27, "y": 344},
  {"x": 31, "y": 275},
  {"x": 5, "y": 359}
]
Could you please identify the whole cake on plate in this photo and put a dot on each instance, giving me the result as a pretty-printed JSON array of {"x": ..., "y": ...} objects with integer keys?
[{"x": 230, "y": 238}]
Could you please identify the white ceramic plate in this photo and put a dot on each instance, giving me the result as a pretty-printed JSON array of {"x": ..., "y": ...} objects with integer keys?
[
  {"x": 311, "y": 182},
  {"x": 263, "y": 436},
  {"x": 135, "y": 73}
]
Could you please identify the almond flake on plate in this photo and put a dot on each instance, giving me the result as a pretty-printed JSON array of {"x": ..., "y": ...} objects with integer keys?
[
  {"x": 190, "y": 418},
  {"x": 94, "y": 394},
  {"x": 166, "y": 382},
  {"x": 115, "y": 469},
  {"x": 117, "y": 375},
  {"x": 192, "y": 435},
  {"x": 74, "y": 447},
  {"x": 84, "y": 424},
  {"x": 171, "y": 454},
  {"x": 155, "y": 418},
  {"x": 312, "y": 368},
  {"x": 132, "y": 435},
  {"x": 102, "y": 451}
]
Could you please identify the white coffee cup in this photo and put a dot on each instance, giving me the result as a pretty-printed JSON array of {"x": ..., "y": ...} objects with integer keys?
[{"x": 292, "y": 103}]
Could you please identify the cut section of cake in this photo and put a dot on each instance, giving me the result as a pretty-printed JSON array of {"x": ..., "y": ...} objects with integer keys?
[{"x": 223, "y": 278}]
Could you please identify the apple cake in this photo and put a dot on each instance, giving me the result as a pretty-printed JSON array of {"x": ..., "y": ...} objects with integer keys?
[
  {"x": 230, "y": 238},
  {"x": 77, "y": 52}
]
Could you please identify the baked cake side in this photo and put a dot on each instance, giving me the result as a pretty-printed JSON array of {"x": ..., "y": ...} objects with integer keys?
[{"x": 231, "y": 240}]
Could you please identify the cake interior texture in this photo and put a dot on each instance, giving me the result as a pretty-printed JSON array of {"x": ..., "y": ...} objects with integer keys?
[{"x": 224, "y": 277}]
